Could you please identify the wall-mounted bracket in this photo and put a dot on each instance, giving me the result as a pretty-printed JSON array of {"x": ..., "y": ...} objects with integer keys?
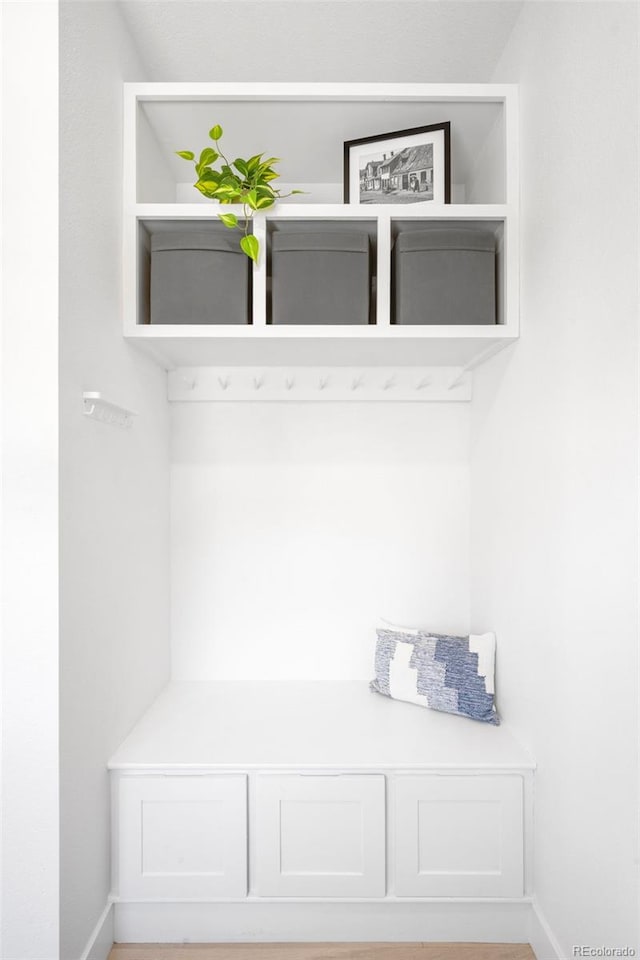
[{"x": 96, "y": 407}]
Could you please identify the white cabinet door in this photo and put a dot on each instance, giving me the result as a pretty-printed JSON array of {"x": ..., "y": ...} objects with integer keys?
[
  {"x": 458, "y": 836},
  {"x": 182, "y": 836},
  {"x": 320, "y": 836}
]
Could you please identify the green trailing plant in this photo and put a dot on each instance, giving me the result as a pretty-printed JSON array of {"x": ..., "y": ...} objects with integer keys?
[{"x": 250, "y": 184}]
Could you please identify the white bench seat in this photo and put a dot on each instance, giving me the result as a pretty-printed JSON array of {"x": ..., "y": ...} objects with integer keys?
[
  {"x": 241, "y": 726},
  {"x": 237, "y": 806}
]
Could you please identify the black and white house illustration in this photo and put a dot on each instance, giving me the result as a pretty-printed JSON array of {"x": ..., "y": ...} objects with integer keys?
[
  {"x": 403, "y": 166},
  {"x": 402, "y": 176}
]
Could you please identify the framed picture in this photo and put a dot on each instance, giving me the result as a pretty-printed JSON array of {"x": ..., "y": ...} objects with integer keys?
[{"x": 409, "y": 166}]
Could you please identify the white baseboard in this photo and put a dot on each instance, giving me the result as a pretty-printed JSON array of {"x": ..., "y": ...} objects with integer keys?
[
  {"x": 253, "y": 922},
  {"x": 541, "y": 937},
  {"x": 102, "y": 937}
]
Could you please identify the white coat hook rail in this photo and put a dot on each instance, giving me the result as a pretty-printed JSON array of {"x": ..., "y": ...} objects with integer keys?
[
  {"x": 335, "y": 384},
  {"x": 96, "y": 407}
]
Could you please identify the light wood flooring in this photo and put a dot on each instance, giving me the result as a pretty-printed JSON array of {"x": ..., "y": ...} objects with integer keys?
[{"x": 323, "y": 951}]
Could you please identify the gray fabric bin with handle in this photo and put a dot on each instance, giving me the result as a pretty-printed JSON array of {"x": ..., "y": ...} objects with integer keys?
[
  {"x": 320, "y": 277},
  {"x": 444, "y": 276},
  {"x": 199, "y": 276}
]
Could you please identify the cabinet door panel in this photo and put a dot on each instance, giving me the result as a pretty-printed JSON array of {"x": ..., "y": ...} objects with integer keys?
[
  {"x": 320, "y": 836},
  {"x": 183, "y": 836},
  {"x": 459, "y": 836}
]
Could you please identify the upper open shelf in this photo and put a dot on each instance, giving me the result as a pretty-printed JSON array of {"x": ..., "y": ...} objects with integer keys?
[{"x": 306, "y": 125}]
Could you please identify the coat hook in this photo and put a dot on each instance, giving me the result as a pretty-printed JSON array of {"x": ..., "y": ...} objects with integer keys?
[
  {"x": 223, "y": 381},
  {"x": 289, "y": 382},
  {"x": 257, "y": 382},
  {"x": 391, "y": 382},
  {"x": 356, "y": 383},
  {"x": 190, "y": 382},
  {"x": 322, "y": 383},
  {"x": 423, "y": 383}
]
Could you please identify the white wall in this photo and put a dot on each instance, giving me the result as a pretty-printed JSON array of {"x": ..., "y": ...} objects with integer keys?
[
  {"x": 555, "y": 466},
  {"x": 437, "y": 41},
  {"x": 294, "y": 526},
  {"x": 29, "y": 665},
  {"x": 114, "y": 654}
]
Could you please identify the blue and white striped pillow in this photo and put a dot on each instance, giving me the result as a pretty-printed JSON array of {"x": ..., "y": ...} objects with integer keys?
[{"x": 452, "y": 674}]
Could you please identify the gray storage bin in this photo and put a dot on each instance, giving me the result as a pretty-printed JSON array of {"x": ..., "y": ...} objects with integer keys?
[
  {"x": 320, "y": 277},
  {"x": 198, "y": 276},
  {"x": 444, "y": 276}
]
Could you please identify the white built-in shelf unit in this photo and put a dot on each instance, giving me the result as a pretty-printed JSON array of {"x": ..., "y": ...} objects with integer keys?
[
  {"x": 306, "y": 124},
  {"x": 268, "y": 807}
]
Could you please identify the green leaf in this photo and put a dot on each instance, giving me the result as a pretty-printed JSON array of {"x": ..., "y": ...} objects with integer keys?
[
  {"x": 216, "y": 132},
  {"x": 270, "y": 176},
  {"x": 208, "y": 156},
  {"x": 207, "y": 189},
  {"x": 229, "y": 219},
  {"x": 250, "y": 246},
  {"x": 252, "y": 199},
  {"x": 253, "y": 165},
  {"x": 266, "y": 167},
  {"x": 265, "y": 202},
  {"x": 186, "y": 154},
  {"x": 298, "y": 191},
  {"x": 241, "y": 165}
]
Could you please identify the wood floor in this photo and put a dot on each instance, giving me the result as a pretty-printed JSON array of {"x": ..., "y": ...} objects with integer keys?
[{"x": 323, "y": 951}]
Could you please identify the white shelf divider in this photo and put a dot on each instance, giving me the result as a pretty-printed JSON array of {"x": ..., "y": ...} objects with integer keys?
[
  {"x": 429, "y": 92},
  {"x": 383, "y": 278},
  {"x": 424, "y": 210},
  {"x": 260, "y": 274}
]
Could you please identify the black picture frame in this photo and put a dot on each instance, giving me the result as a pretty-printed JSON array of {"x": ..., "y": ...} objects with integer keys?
[{"x": 408, "y": 180}]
